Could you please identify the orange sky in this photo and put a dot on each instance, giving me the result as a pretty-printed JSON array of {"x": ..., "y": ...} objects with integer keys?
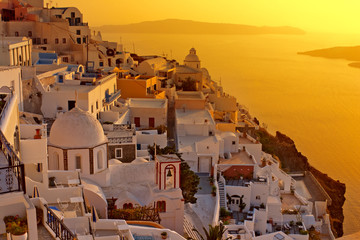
[{"x": 310, "y": 15}]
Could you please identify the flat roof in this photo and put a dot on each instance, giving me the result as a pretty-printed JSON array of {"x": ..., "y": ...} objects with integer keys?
[
  {"x": 190, "y": 95},
  {"x": 187, "y": 143},
  {"x": 289, "y": 201},
  {"x": 147, "y": 103},
  {"x": 168, "y": 158},
  {"x": 238, "y": 158},
  {"x": 245, "y": 140},
  {"x": 193, "y": 117},
  {"x": 5, "y": 68}
]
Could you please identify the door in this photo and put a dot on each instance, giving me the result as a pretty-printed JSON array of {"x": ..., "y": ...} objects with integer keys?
[
  {"x": 71, "y": 105},
  {"x": 204, "y": 164},
  {"x": 152, "y": 122},
  {"x": 137, "y": 121}
]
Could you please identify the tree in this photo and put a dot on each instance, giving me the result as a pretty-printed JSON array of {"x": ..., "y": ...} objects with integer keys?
[
  {"x": 214, "y": 233},
  {"x": 189, "y": 181},
  {"x": 242, "y": 205}
]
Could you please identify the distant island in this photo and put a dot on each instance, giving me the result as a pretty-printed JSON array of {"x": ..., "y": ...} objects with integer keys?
[
  {"x": 176, "y": 26},
  {"x": 351, "y": 53}
]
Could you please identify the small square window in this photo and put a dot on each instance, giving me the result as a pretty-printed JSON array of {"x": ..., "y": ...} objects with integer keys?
[
  {"x": 97, "y": 105},
  {"x": 45, "y": 40},
  {"x": 118, "y": 153},
  {"x": 258, "y": 197},
  {"x": 101, "y": 64},
  {"x": 56, "y": 41},
  {"x": 64, "y": 40},
  {"x": 233, "y": 143},
  {"x": 78, "y": 32}
]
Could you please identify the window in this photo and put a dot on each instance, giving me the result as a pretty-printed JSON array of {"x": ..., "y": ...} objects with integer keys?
[
  {"x": 137, "y": 121},
  {"x": 58, "y": 16},
  {"x": 78, "y": 32},
  {"x": 64, "y": 40},
  {"x": 16, "y": 34},
  {"x": 56, "y": 41},
  {"x": 99, "y": 160},
  {"x": 56, "y": 162},
  {"x": 101, "y": 64},
  {"x": 233, "y": 142},
  {"x": 78, "y": 162},
  {"x": 30, "y": 33},
  {"x": 72, "y": 14},
  {"x": 84, "y": 39},
  {"x": 258, "y": 197},
  {"x": 97, "y": 105},
  {"x": 118, "y": 153},
  {"x": 65, "y": 59},
  {"x": 161, "y": 206},
  {"x": 92, "y": 108},
  {"x": 127, "y": 206},
  {"x": 151, "y": 122},
  {"x": 45, "y": 40},
  {"x": 78, "y": 40}
]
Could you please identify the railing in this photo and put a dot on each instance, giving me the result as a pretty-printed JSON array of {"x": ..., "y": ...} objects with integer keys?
[
  {"x": 57, "y": 226},
  {"x": 12, "y": 179},
  {"x": 8, "y": 151},
  {"x": 114, "y": 96}
]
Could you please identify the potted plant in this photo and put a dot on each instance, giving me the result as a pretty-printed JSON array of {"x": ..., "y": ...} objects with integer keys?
[
  {"x": 213, "y": 190},
  {"x": 16, "y": 226},
  {"x": 211, "y": 180},
  {"x": 164, "y": 235}
]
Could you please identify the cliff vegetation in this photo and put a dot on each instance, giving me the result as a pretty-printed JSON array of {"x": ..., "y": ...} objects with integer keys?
[{"x": 293, "y": 161}]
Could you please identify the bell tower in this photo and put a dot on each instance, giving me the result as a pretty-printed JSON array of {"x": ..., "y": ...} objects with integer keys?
[{"x": 167, "y": 169}]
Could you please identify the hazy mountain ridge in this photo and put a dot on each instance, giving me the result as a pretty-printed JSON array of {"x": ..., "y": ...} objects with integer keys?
[
  {"x": 175, "y": 26},
  {"x": 351, "y": 53}
]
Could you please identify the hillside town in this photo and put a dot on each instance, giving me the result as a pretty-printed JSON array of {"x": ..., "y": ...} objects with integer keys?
[{"x": 101, "y": 143}]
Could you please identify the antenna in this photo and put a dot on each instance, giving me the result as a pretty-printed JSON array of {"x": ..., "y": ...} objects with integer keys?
[
  {"x": 76, "y": 97},
  {"x": 134, "y": 46}
]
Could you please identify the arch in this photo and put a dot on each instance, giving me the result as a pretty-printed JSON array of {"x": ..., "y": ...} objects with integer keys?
[
  {"x": 166, "y": 177},
  {"x": 78, "y": 163},
  {"x": 56, "y": 161},
  {"x": 100, "y": 161}
]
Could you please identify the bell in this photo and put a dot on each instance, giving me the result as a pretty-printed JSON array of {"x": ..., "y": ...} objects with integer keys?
[{"x": 169, "y": 174}]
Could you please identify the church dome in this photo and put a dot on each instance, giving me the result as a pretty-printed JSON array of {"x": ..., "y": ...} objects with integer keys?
[
  {"x": 76, "y": 129},
  {"x": 192, "y": 57}
]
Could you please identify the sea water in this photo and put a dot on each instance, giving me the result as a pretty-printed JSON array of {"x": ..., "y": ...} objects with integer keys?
[{"x": 315, "y": 101}]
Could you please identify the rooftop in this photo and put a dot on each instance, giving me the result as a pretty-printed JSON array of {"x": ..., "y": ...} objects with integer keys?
[
  {"x": 168, "y": 158},
  {"x": 194, "y": 117},
  {"x": 238, "y": 158},
  {"x": 147, "y": 103},
  {"x": 289, "y": 202},
  {"x": 190, "y": 95}
]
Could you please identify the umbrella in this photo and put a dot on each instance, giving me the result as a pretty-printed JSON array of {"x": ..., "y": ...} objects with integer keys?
[
  {"x": 36, "y": 192},
  {"x": 94, "y": 216}
]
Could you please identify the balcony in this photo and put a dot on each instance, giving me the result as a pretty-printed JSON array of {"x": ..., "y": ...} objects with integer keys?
[
  {"x": 111, "y": 98},
  {"x": 12, "y": 179}
]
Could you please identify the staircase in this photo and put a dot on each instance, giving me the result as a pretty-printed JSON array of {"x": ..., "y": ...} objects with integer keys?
[
  {"x": 222, "y": 194},
  {"x": 188, "y": 230}
]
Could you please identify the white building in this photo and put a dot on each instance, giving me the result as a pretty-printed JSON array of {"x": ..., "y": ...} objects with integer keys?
[
  {"x": 148, "y": 113},
  {"x": 15, "y": 51},
  {"x": 196, "y": 139},
  {"x": 71, "y": 86}
]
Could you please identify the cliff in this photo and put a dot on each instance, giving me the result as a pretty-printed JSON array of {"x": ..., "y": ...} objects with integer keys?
[
  {"x": 292, "y": 161},
  {"x": 177, "y": 26}
]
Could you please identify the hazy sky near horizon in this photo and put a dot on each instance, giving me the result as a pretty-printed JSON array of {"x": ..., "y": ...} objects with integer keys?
[{"x": 311, "y": 15}]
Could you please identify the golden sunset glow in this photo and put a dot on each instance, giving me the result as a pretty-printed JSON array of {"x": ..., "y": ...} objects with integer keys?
[{"x": 322, "y": 15}]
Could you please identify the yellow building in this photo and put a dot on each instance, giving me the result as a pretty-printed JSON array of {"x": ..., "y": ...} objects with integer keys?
[{"x": 140, "y": 87}]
